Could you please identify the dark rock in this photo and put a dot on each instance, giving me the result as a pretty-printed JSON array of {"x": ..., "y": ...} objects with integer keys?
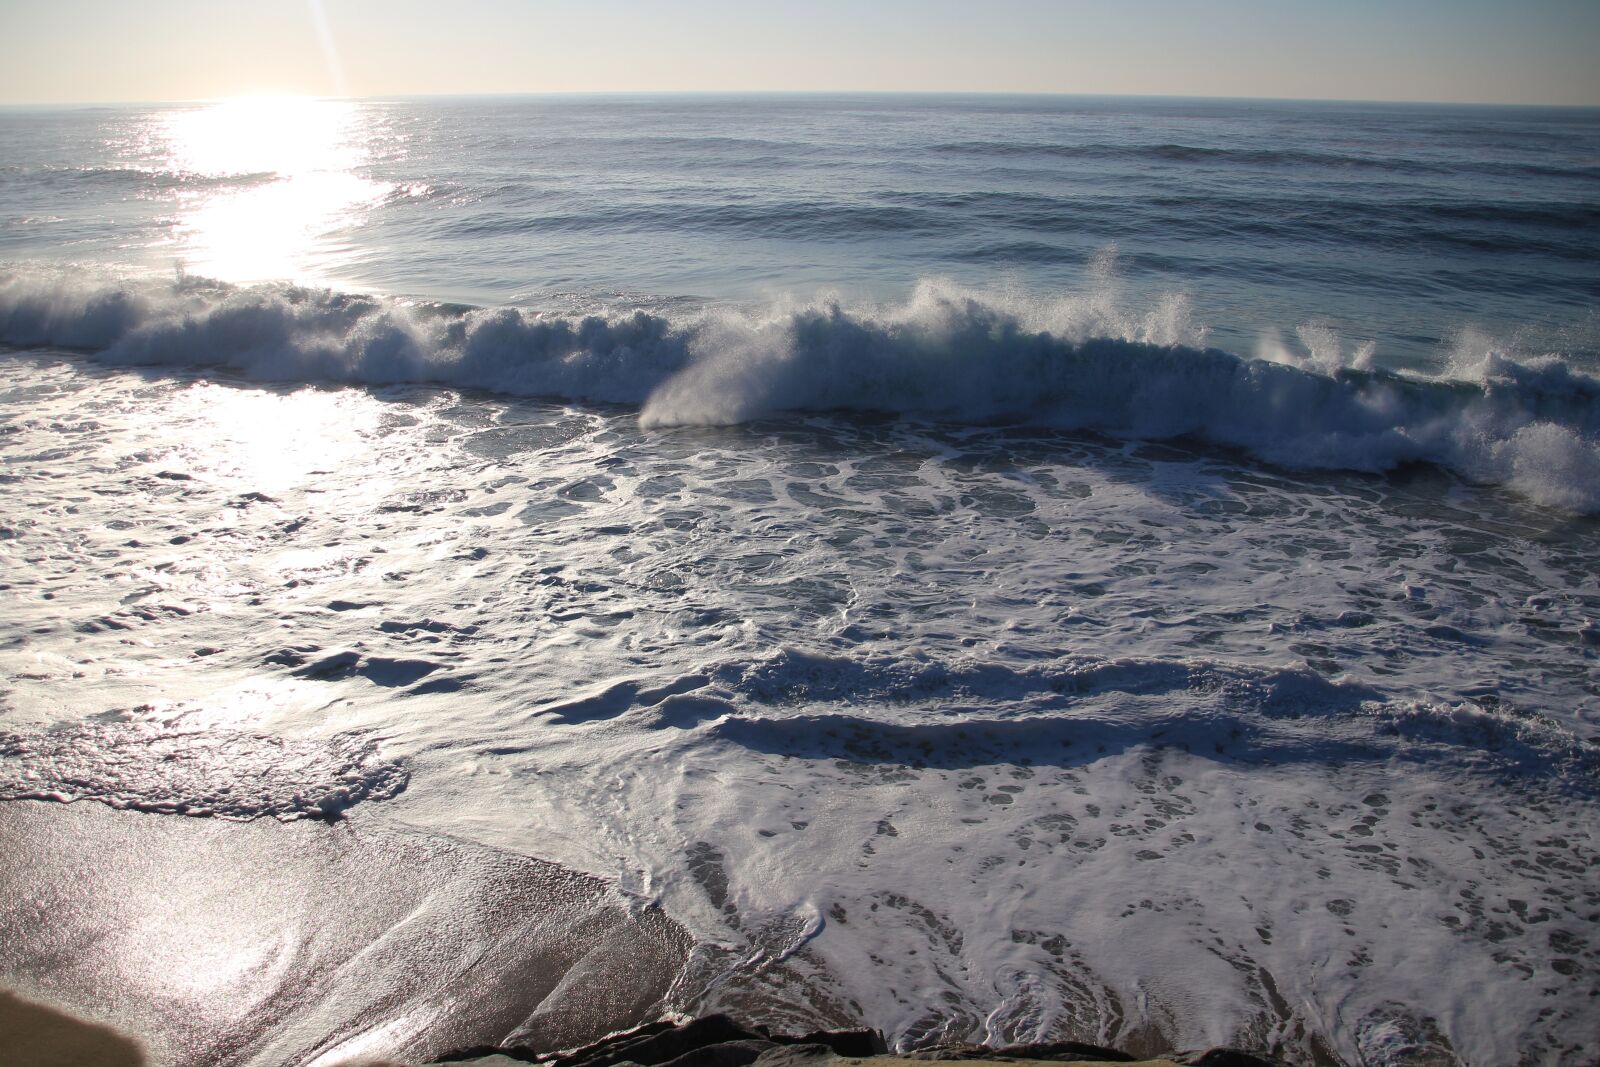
[
  {"x": 1064, "y": 1052},
  {"x": 712, "y": 1041},
  {"x": 724, "y": 1054},
  {"x": 478, "y": 1052},
  {"x": 854, "y": 1043},
  {"x": 1222, "y": 1057},
  {"x": 658, "y": 1043},
  {"x": 796, "y": 1056},
  {"x": 1055, "y": 1051}
]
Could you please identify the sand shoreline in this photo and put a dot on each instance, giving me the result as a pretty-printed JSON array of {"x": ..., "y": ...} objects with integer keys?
[{"x": 216, "y": 943}]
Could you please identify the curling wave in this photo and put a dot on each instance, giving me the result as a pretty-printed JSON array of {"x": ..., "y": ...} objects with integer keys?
[{"x": 1078, "y": 363}]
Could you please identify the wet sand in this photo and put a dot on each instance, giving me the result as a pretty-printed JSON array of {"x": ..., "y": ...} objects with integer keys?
[{"x": 219, "y": 943}]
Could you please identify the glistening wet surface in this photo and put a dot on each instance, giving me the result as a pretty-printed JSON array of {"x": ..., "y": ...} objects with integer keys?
[{"x": 963, "y": 730}]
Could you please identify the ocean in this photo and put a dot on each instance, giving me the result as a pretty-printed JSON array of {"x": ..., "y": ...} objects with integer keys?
[{"x": 1001, "y": 568}]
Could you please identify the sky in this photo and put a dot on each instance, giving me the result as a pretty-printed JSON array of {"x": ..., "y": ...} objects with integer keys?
[{"x": 1485, "y": 51}]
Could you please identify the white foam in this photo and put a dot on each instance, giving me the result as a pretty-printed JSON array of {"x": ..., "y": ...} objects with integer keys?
[
  {"x": 150, "y": 766},
  {"x": 1078, "y": 361}
]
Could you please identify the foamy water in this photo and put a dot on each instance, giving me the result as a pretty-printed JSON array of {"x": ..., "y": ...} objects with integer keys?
[{"x": 1070, "y": 652}]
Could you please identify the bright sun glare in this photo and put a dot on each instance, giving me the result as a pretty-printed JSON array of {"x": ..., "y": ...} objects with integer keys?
[
  {"x": 271, "y": 441},
  {"x": 270, "y": 181}
]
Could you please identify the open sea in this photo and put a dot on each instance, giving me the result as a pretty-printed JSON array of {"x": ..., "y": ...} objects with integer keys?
[{"x": 1004, "y": 568}]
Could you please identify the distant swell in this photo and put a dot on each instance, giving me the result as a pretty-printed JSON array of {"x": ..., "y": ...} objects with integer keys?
[
  {"x": 131, "y": 178},
  {"x": 1075, "y": 363},
  {"x": 1263, "y": 157}
]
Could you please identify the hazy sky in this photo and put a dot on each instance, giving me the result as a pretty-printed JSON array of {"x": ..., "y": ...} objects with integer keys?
[{"x": 1531, "y": 51}]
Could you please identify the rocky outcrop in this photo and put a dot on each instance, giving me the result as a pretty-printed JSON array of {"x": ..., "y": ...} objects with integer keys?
[
  {"x": 721, "y": 1041},
  {"x": 711, "y": 1041}
]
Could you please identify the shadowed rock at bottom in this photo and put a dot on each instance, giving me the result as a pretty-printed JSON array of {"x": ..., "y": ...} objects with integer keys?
[{"x": 720, "y": 1041}]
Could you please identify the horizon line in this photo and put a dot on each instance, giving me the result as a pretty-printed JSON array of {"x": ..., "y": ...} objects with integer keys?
[{"x": 531, "y": 93}]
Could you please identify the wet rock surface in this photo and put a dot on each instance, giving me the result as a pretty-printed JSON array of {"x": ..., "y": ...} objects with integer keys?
[{"x": 722, "y": 1041}]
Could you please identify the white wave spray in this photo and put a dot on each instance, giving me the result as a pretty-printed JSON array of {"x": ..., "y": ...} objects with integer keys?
[{"x": 1081, "y": 362}]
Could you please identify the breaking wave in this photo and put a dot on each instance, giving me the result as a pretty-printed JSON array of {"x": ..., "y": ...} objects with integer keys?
[{"x": 1079, "y": 362}]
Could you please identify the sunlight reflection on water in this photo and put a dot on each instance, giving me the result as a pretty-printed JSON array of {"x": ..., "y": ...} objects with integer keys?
[
  {"x": 272, "y": 441},
  {"x": 275, "y": 182}
]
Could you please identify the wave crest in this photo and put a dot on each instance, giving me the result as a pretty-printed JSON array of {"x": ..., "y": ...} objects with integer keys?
[{"x": 1078, "y": 363}]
